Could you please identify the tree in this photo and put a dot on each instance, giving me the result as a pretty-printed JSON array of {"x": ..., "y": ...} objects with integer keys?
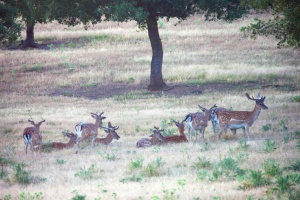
[
  {"x": 285, "y": 24},
  {"x": 31, "y": 12},
  {"x": 9, "y": 28},
  {"x": 147, "y": 12}
]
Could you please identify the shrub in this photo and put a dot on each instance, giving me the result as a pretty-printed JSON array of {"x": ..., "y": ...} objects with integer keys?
[
  {"x": 202, "y": 162},
  {"x": 136, "y": 164},
  {"x": 78, "y": 196},
  {"x": 86, "y": 173},
  {"x": 271, "y": 168},
  {"x": 266, "y": 127},
  {"x": 28, "y": 196},
  {"x": 21, "y": 175},
  {"x": 257, "y": 178},
  {"x": 269, "y": 146},
  {"x": 154, "y": 168}
]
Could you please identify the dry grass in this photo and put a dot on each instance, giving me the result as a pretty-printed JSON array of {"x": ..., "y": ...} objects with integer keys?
[{"x": 196, "y": 52}]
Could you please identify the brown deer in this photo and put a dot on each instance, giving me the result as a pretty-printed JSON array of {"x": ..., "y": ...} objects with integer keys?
[
  {"x": 70, "y": 144},
  {"x": 88, "y": 130},
  {"x": 32, "y": 136},
  {"x": 198, "y": 121},
  {"x": 156, "y": 138},
  {"x": 177, "y": 138},
  {"x": 240, "y": 119},
  {"x": 112, "y": 134}
]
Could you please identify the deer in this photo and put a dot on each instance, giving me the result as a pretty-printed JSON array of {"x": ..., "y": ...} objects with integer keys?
[
  {"x": 32, "y": 136},
  {"x": 240, "y": 119},
  {"x": 88, "y": 130},
  {"x": 198, "y": 121},
  {"x": 177, "y": 138},
  {"x": 111, "y": 134},
  {"x": 156, "y": 138},
  {"x": 70, "y": 144}
]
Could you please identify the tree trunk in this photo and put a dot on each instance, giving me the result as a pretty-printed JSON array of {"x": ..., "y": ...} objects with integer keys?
[
  {"x": 29, "y": 41},
  {"x": 156, "y": 81}
]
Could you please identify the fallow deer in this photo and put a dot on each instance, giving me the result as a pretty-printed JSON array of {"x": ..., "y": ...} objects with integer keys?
[
  {"x": 32, "y": 136},
  {"x": 111, "y": 134},
  {"x": 70, "y": 144},
  {"x": 215, "y": 121},
  {"x": 177, "y": 138},
  {"x": 241, "y": 119},
  {"x": 156, "y": 137},
  {"x": 198, "y": 121},
  {"x": 88, "y": 130}
]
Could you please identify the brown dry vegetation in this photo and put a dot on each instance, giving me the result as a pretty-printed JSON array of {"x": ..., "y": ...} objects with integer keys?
[{"x": 107, "y": 69}]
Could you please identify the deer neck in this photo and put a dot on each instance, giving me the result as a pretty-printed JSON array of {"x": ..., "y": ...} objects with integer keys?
[
  {"x": 254, "y": 115},
  {"x": 108, "y": 139}
]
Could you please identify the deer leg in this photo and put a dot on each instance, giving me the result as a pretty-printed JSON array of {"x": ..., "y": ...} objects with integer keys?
[
  {"x": 246, "y": 129},
  {"x": 203, "y": 130},
  {"x": 233, "y": 131}
]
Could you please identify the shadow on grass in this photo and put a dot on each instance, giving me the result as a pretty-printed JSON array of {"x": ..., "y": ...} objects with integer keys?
[{"x": 123, "y": 91}]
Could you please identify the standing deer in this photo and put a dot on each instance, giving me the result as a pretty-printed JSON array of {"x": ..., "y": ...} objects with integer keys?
[
  {"x": 70, "y": 144},
  {"x": 241, "y": 119},
  {"x": 198, "y": 121},
  {"x": 156, "y": 138},
  {"x": 215, "y": 121},
  {"x": 112, "y": 134},
  {"x": 32, "y": 136},
  {"x": 88, "y": 130},
  {"x": 177, "y": 138}
]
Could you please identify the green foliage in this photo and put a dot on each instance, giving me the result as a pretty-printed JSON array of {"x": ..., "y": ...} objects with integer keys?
[
  {"x": 60, "y": 162},
  {"x": 295, "y": 166},
  {"x": 22, "y": 176},
  {"x": 269, "y": 146},
  {"x": 136, "y": 164},
  {"x": 298, "y": 145},
  {"x": 243, "y": 144},
  {"x": 86, "y": 174},
  {"x": 266, "y": 127},
  {"x": 108, "y": 156},
  {"x": 284, "y": 26},
  {"x": 10, "y": 28},
  {"x": 77, "y": 196},
  {"x": 134, "y": 178},
  {"x": 154, "y": 168},
  {"x": 46, "y": 147},
  {"x": 295, "y": 98},
  {"x": 201, "y": 163},
  {"x": 271, "y": 168},
  {"x": 257, "y": 178},
  {"x": 28, "y": 196}
]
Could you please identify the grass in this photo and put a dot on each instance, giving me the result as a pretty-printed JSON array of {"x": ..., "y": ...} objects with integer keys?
[{"x": 107, "y": 69}]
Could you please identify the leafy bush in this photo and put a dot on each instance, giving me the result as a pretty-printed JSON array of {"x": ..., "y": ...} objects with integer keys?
[
  {"x": 136, "y": 164},
  {"x": 271, "y": 168},
  {"x": 21, "y": 175},
  {"x": 269, "y": 146},
  {"x": 134, "y": 178},
  {"x": 266, "y": 127},
  {"x": 257, "y": 178},
  {"x": 201, "y": 163}
]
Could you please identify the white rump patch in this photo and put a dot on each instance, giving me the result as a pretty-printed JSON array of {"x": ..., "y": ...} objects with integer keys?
[{"x": 78, "y": 129}]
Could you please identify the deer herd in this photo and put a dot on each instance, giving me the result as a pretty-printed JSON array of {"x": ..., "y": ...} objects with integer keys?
[{"x": 221, "y": 119}]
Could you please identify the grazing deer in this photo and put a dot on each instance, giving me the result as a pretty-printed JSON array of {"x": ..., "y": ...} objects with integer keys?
[
  {"x": 177, "y": 138},
  {"x": 241, "y": 119},
  {"x": 32, "y": 136},
  {"x": 70, "y": 144},
  {"x": 88, "y": 130},
  {"x": 112, "y": 134},
  {"x": 198, "y": 121},
  {"x": 156, "y": 138}
]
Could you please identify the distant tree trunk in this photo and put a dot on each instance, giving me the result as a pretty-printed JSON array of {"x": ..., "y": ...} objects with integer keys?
[
  {"x": 29, "y": 41},
  {"x": 156, "y": 81}
]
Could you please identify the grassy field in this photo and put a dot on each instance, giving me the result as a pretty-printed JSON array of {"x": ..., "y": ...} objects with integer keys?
[{"x": 106, "y": 69}]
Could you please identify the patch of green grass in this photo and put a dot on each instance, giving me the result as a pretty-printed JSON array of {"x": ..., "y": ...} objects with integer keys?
[
  {"x": 22, "y": 176},
  {"x": 29, "y": 196},
  {"x": 269, "y": 146},
  {"x": 295, "y": 98},
  {"x": 271, "y": 168},
  {"x": 154, "y": 168},
  {"x": 201, "y": 163},
  {"x": 86, "y": 174},
  {"x": 96, "y": 38},
  {"x": 77, "y": 196},
  {"x": 60, "y": 161},
  {"x": 136, "y": 163},
  {"x": 266, "y": 127}
]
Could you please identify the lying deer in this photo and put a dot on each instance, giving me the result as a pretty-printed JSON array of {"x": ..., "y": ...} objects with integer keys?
[
  {"x": 198, "y": 121},
  {"x": 112, "y": 134},
  {"x": 32, "y": 136},
  {"x": 88, "y": 130},
  {"x": 240, "y": 119},
  {"x": 177, "y": 138},
  {"x": 156, "y": 138},
  {"x": 70, "y": 144}
]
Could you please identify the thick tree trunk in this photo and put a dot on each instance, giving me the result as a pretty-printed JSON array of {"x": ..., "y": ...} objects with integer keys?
[
  {"x": 156, "y": 81},
  {"x": 29, "y": 41}
]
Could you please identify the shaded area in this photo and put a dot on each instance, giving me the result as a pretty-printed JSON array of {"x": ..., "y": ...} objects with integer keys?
[{"x": 175, "y": 90}]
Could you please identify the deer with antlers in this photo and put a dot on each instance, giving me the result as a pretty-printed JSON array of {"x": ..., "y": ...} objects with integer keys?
[
  {"x": 111, "y": 134},
  {"x": 88, "y": 130},
  {"x": 156, "y": 138},
  {"x": 198, "y": 121},
  {"x": 177, "y": 138},
  {"x": 240, "y": 119},
  {"x": 32, "y": 136},
  {"x": 70, "y": 144}
]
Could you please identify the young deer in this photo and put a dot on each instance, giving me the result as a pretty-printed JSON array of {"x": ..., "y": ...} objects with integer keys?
[
  {"x": 32, "y": 136},
  {"x": 198, "y": 121},
  {"x": 177, "y": 138},
  {"x": 241, "y": 119},
  {"x": 112, "y": 134},
  {"x": 70, "y": 144},
  {"x": 88, "y": 130},
  {"x": 156, "y": 138}
]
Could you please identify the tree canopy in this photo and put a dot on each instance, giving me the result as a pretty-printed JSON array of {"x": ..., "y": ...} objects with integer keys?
[{"x": 284, "y": 25}]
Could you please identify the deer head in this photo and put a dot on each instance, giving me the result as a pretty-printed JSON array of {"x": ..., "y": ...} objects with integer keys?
[
  {"x": 157, "y": 134},
  {"x": 36, "y": 125},
  {"x": 98, "y": 117},
  {"x": 209, "y": 111},
  {"x": 111, "y": 130},
  {"x": 259, "y": 101}
]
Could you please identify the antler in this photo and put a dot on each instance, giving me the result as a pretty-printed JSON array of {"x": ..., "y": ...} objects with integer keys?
[
  {"x": 250, "y": 98},
  {"x": 32, "y": 122}
]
